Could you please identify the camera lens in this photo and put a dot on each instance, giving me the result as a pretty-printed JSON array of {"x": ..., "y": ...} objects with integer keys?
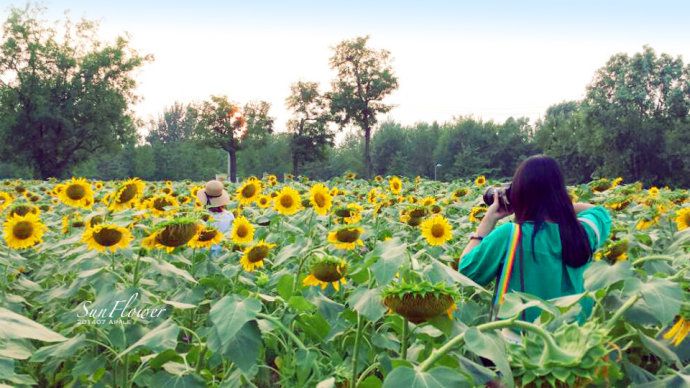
[{"x": 488, "y": 196}]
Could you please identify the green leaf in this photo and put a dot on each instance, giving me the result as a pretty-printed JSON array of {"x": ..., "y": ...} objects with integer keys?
[
  {"x": 440, "y": 272},
  {"x": 244, "y": 348},
  {"x": 60, "y": 351},
  {"x": 391, "y": 254},
  {"x": 15, "y": 350},
  {"x": 163, "y": 336},
  {"x": 661, "y": 299},
  {"x": 440, "y": 377},
  {"x": 600, "y": 274},
  {"x": 301, "y": 304},
  {"x": 164, "y": 379},
  {"x": 367, "y": 302},
  {"x": 488, "y": 346},
  {"x": 514, "y": 304},
  {"x": 230, "y": 314},
  {"x": 660, "y": 349},
  {"x": 165, "y": 268},
  {"x": 284, "y": 286},
  {"x": 14, "y": 326},
  {"x": 371, "y": 382}
]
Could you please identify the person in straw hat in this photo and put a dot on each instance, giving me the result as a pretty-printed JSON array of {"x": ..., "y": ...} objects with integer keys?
[{"x": 215, "y": 198}]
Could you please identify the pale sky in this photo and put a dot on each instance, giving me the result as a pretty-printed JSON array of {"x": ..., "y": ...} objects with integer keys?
[{"x": 488, "y": 59}]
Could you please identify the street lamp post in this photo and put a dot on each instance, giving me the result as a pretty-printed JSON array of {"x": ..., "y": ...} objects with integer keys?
[{"x": 435, "y": 167}]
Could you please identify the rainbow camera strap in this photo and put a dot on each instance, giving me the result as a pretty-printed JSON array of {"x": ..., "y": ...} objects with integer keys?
[{"x": 507, "y": 271}]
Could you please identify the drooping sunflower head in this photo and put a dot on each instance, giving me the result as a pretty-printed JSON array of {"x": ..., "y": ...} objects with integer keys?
[
  {"x": 171, "y": 234},
  {"x": 320, "y": 199},
  {"x": 682, "y": 219},
  {"x": 288, "y": 201},
  {"x": 327, "y": 270},
  {"x": 600, "y": 185},
  {"x": 127, "y": 194},
  {"x": 436, "y": 230},
  {"x": 254, "y": 255},
  {"x": 104, "y": 237},
  {"x": 242, "y": 231},
  {"x": 77, "y": 193},
  {"x": 459, "y": 193},
  {"x": 378, "y": 179},
  {"x": 249, "y": 191},
  {"x": 346, "y": 237},
  {"x": 206, "y": 238},
  {"x": 480, "y": 181},
  {"x": 395, "y": 185},
  {"x": 419, "y": 302},
  {"x": 21, "y": 232},
  {"x": 615, "y": 251},
  {"x": 349, "y": 175}
]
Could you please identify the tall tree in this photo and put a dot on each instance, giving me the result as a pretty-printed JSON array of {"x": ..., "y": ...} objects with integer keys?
[
  {"x": 308, "y": 125},
  {"x": 63, "y": 98},
  {"x": 223, "y": 125},
  {"x": 364, "y": 78},
  {"x": 177, "y": 123},
  {"x": 631, "y": 105}
]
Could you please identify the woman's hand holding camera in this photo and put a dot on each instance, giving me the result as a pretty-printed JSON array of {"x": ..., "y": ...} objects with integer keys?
[{"x": 495, "y": 211}]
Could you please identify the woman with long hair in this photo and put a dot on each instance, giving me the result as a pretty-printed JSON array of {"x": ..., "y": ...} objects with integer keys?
[{"x": 555, "y": 242}]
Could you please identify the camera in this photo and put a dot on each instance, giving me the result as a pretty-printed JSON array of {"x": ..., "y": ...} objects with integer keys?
[{"x": 503, "y": 196}]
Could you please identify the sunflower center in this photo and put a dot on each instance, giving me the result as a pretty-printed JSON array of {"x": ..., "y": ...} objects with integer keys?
[
  {"x": 320, "y": 199},
  {"x": 161, "y": 203},
  {"x": 23, "y": 230},
  {"x": 286, "y": 201},
  {"x": 207, "y": 235},
  {"x": 347, "y": 235},
  {"x": 437, "y": 230},
  {"x": 107, "y": 237},
  {"x": 343, "y": 212},
  {"x": 21, "y": 210},
  {"x": 127, "y": 193},
  {"x": 248, "y": 191},
  {"x": 75, "y": 192},
  {"x": 242, "y": 231},
  {"x": 327, "y": 272},
  {"x": 257, "y": 253}
]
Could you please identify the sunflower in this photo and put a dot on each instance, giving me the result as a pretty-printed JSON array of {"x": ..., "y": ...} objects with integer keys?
[
  {"x": 320, "y": 198},
  {"x": 126, "y": 195},
  {"x": 378, "y": 179},
  {"x": 346, "y": 237},
  {"x": 264, "y": 201},
  {"x": 328, "y": 270},
  {"x": 103, "y": 237},
  {"x": 242, "y": 231},
  {"x": 428, "y": 201},
  {"x": 477, "y": 213},
  {"x": 350, "y": 175},
  {"x": 683, "y": 218},
  {"x": 171, "y": 234},
  {"x": 98, "y": 185},
  {"x": 436, "y": 230},
  {"x": 616, "y": 182},
  {"x": 646, "y": 222},
  {"x": 373, "y": 196},
  {"x": 24, "y": 209},
  {"x": 249, "y": 191},
  {"x": 350, "y": 214},
  {"x": 25, "y": 231},
  {"x": 654, "y": 192},
  {"x": 614, "y": 252},
  {"x": 480, "y": 181},
  {"x": 253, "y": 256},
  {"x": 77, "y": 193},
  {"x": 678, "y": 332},
  {"x": 395, "y": 185},
  {"x": 287, "y": 201},
  {"x": 421, "y": 301},
  {"x": 206, "y": 238},
  {"x": 459, "y": 193},
  {"x": 5, "y": 200},
  {"x": 161, "y": 205}
]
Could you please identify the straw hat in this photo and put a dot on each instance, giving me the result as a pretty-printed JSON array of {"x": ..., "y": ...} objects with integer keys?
[{"x": 213, "y": 194}]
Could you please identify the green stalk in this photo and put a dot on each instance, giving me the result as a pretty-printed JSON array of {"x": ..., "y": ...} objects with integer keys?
[
  {"x": 619, "y": 313},
  {"x": 403, "y": 344},
  {"x": 199, "y": 362},
  {"x": 125, "y": 379},
  {"x": 365, "y": 373},
  {"x": 355, "y": 355},
  {"x": 282, "y": 327},
  {"x": 135, "y": 274},
  {"x": 645, "y": 259}
]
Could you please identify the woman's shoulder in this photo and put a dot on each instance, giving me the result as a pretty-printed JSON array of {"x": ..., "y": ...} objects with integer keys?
[{"x": 501, "y": 232}]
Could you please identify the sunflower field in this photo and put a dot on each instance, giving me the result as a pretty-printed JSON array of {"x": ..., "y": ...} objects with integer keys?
[{"x": 343, "y": 283}]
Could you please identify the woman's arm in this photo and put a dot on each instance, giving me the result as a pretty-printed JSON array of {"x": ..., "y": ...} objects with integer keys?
[
  {"x": 493, "y": 214},
  {"x": 581, "y": 206}
]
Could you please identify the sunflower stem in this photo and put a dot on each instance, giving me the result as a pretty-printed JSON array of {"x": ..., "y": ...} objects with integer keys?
[
  {"x": 619, "y": 313},
  {"x": 355, "y": 354},
  {"x": 403, "y": 344},
  {"x": 282, "y": 327},
  {"x": 135, "y": 274}
]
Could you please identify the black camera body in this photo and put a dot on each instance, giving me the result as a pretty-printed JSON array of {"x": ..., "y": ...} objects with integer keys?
[{"x": 503, "y": 196}]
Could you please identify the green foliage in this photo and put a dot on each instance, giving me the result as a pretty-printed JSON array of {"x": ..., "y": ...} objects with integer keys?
[{"x": 63, "y": 98}]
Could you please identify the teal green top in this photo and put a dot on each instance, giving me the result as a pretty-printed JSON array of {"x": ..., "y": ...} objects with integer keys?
[{"x": 545, "y": 274}]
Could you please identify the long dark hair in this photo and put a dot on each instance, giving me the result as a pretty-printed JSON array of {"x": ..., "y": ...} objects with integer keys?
[{"x": 538, "y": 193}]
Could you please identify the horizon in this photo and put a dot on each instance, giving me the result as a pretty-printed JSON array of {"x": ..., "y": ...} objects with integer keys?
[{"x": 490, "y": 61}]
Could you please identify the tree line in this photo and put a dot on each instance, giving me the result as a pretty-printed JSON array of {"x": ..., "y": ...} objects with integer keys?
[{"x": 65, "y": 104}]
